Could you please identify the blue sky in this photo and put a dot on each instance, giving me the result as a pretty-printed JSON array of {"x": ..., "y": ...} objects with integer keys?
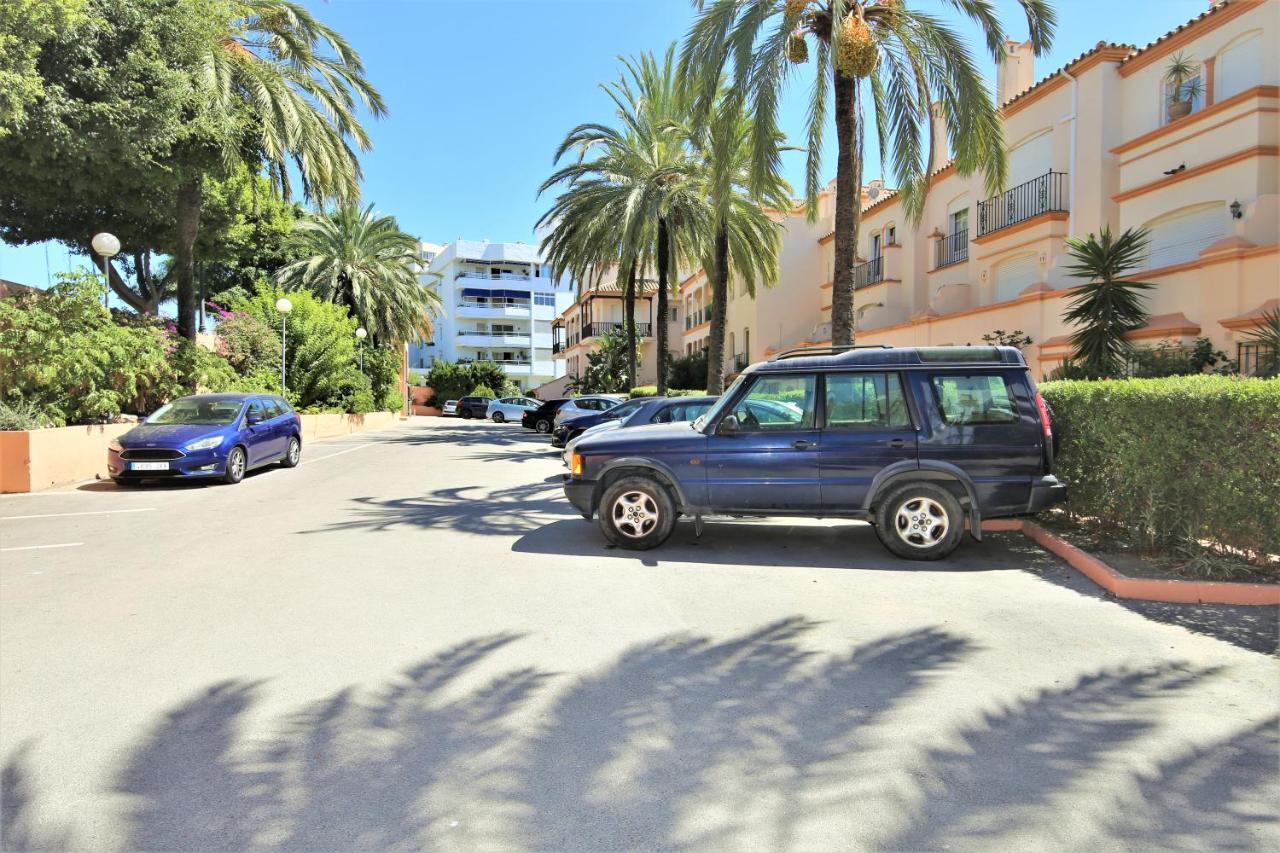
[{"x": 481, "y": 91}]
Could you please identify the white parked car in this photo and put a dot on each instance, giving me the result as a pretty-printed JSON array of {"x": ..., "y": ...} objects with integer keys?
[
  {"x": 450, "y": 408},
  {"x": 588, "y": 404},
  {"x": 510, "y": 408}
]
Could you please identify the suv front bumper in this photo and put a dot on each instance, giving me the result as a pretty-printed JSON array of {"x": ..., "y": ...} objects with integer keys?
[
  {"x": 1045, "y": 492},
  {"x": 581, "y": 493}
]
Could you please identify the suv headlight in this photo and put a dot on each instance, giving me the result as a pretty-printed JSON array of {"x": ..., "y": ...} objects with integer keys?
[{"x": 206, "y": 443}]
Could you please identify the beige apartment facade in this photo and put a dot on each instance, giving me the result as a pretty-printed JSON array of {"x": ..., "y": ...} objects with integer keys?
[{"x": 1090, "y": 145}]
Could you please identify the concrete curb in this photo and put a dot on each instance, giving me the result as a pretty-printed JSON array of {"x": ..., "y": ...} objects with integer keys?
[{"x": 1122, "y": 586}]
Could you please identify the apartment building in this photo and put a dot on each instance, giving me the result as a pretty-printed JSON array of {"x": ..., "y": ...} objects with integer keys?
[
  {"x": 499, "y": 301},
  {"x": 1091, "y": 144}
]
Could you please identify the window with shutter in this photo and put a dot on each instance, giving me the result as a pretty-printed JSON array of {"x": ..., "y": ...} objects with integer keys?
[
  {"x": 1016, "y": 274},
  {"x": 1030, "y": 159},
  {"x": 1239, "y": 67},
  {"x": 1180, "y": 237}
]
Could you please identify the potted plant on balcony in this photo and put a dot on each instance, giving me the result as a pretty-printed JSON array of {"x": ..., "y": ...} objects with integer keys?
[{"x": 1183, "y": 78}]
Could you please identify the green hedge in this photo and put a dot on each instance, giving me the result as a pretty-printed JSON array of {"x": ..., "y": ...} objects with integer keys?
[
  {"x": 1187, "y": 457},
  {"x": 652, "y": 391}
]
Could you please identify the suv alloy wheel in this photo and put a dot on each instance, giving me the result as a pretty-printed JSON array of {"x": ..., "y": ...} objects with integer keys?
[
  {"x": 637, "y": 513},
  {"x": 920, "y": 521}
]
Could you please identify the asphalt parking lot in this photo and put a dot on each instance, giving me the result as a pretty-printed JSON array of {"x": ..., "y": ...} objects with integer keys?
[{"x": 413, "y": 641}]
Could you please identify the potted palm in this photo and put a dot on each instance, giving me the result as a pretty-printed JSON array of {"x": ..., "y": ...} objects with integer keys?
[{"x": 1183, "y": 77}]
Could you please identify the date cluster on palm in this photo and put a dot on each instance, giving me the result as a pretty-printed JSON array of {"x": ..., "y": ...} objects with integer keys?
[
  {"x": 856, "y": 52},
  {"x": 797, "y": 49}
]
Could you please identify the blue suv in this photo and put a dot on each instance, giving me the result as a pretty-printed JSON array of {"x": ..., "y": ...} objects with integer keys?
[{"x": 917, "y": 441}]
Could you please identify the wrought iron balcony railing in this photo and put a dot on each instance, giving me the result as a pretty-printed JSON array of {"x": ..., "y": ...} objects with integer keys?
[
  {"x": 868, "y": 273},
  {"x": 952, "y": 249},
  {"x": 1025, "y": 201}
]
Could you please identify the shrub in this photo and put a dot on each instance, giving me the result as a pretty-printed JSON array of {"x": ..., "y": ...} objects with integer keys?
[
  {"x": 20, "y": 414},
  {"x": 482, "y": 390},
  {"x": 1176, "y": 459},
  {"x": 449, "y": 381},
  {"x": 688, "y": 371},
  {"x": 652, "y": 391}
]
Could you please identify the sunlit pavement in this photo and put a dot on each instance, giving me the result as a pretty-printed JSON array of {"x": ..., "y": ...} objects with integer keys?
[{"x": 413, "y": 641}]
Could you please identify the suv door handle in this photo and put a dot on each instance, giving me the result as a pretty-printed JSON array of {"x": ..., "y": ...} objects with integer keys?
[
  {"x": 897, "y": 442},
  {"x": 802, "y": 444}
]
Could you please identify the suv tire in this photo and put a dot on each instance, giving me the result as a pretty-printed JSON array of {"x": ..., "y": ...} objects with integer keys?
[
  {"x": 465, "y": 414},
  {"x": 920, "y": 521},
  {"x": 498, "y": 417},
  {"x": 637, "y": 513}
]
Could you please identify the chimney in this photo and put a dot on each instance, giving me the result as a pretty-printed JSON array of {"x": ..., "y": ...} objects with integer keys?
[
  {"x": 1016, "y": 73},
  {"x": 938, "y": 127}
]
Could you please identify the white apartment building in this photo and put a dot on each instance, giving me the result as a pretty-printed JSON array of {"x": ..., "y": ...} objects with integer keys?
[{"x": 499, "y": 300}]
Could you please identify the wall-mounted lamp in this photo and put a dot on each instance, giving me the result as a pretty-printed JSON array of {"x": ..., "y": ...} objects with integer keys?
[{"x": 1237, "y": 211}]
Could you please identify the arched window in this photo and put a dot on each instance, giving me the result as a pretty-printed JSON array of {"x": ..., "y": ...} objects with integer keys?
[
  {"x": 1180, "y": 236},
  {"x": 732, "y": 351},
  {"x": 1239, "y": 65}
]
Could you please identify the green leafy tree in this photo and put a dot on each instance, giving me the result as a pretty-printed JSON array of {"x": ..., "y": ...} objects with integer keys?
[
  {"x": 24, "y": 26},
  {"x": 364, "y": 261},
  {"x": 899, "y": 58},
  {"x": 450, "y": 381},
  {"x": 689, "y": 371},
  {"x": 642, "y": 178},
  {"x": 482, "y": 390},
  {"x": 606, "y": 370},
  {"x": 1106, "y": 307}
]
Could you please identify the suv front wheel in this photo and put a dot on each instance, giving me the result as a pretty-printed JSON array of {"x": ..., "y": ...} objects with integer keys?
[
  {"x": 637, "y": 513},
  {"x": 920, "y": 521}
]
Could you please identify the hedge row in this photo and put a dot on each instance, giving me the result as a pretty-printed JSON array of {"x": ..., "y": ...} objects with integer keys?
[
  {"x": 652, "y": 391},
  {"x": 1187, "y": 457}
]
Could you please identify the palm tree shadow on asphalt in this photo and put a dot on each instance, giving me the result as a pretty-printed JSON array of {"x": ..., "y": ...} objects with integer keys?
[{"x": 754, "y": 741}]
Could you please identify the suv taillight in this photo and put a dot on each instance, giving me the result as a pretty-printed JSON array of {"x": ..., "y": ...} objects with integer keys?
[{"x": 1045, "y": 423}]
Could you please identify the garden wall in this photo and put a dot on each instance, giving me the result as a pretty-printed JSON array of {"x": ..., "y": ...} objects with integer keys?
[{"x": 31, "y": 460}]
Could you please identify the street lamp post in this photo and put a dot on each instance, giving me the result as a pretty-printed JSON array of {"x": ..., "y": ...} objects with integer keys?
[
  {"x": 360, "y": 333},
  {"x": 284, "y": 306},
  {"x": 107, "y": 247}
]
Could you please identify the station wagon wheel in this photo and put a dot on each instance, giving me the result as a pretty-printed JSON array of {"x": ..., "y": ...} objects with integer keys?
[
  {"x": 919, "y": 521},
  {"x": 637, "y": 513},
  {"x": 293, "y": 454},
  {"x": 543, "y": 426},
  {"x": 237, "y": 464}
]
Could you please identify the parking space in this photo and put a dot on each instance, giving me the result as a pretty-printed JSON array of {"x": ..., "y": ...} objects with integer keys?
[{"x": 412, "y": 640}]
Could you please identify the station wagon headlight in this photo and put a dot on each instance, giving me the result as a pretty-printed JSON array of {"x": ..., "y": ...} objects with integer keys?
[{"x": 206, "y": 443}]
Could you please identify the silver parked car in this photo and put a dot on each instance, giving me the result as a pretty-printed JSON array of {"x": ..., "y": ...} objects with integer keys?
[
  {"x": 649, "y": 410},
  {"x": 450, "y": 409},
  {"x": 588, "y": 404},
  {"x": 510, "y": 408}
]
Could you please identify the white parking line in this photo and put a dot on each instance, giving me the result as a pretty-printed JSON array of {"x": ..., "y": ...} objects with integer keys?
[
  {"x": 42, "y": 547},
  {"x": 339, "y": 453},
  {"x": 65, "y": 514}
]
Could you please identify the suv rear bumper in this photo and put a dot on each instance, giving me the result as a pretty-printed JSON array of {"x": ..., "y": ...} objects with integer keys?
[
  {"x": 581, "y": 493},
  {"x": 1045, "y": 492}
]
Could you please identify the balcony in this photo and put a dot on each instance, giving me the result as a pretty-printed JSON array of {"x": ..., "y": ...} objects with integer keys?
[
  {"x": 558, "y": 347},
  {"x": 697, "y": 318},
  {"x": 1044, "y": 194},
  {"x": 868, "y": 273},
  {"x": 952, "y": 249},
  {"x": 487, "y": 337},
  {"x": 592, "y": 330},
  {"x": 491, "y": 276},
  {"x": 739, "y": 362},
  {"x": 495, "y": 308}
]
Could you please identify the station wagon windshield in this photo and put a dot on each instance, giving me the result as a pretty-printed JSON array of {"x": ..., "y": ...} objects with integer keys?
[{"x": 210, "y": 412}]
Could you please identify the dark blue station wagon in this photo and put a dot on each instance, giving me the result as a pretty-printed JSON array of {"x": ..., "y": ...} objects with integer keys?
[{"x": 916, "y": 441}]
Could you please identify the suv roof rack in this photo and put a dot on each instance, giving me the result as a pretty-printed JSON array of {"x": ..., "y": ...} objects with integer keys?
[{"x": 800, "y": 352}]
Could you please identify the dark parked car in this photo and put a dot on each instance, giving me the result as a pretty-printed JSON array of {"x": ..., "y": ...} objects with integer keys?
[
  {"x": 543, "y": 418},
  {"x": 917, "y": 441},
  {"x": 473, "y": 407},
  {"x": 208, "y": 436},
  {"x": 646, "y": 410}
]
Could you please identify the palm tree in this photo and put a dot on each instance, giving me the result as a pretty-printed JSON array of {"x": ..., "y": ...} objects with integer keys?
[
  {"x": 364, "y": 261},
  {"x": 908, "y": 59},
  {"x": 1266, "y": 336},
  {"x": 281, "y": 89},
  {"x": 744, "y": 240},
  {"x": 643, "y": 175},
  {"x": 1106, "y": 307}
]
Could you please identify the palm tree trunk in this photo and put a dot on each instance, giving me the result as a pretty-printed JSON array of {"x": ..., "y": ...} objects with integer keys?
[
  {"x": 719, "y": 309},
  {"x": 190, "y": 201},
  {"x": 660, "y": 334},
  {"x": 848, "y": 205},
  {"x": 629, "y": 318}
]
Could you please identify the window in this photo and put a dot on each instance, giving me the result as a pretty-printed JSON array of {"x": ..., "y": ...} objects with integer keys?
[
  {"x": 1191, "y": 89},
  {"x": 680, "y": 412},
  {"x": 544, "y": 299},
  {"x": 285, "y": 408},
  {"x": 975, "y": 399},
  {"x": 272, "y": 408},
  {"x": 1240, "y": 65},
  {"x": 1015, "y": 275},
  {"x": 778, "y": 403},
  {"x": 891, "y": 235},
  {"x": 256, "y": 410},
  {"x": 866, "y": 401}
]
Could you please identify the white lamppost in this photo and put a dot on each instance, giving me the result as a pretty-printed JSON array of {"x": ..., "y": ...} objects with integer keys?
[
  {"x": 284, "y": 306},
  {"x": 107, "y": 247},
  {"x": 360, "y": 333}
]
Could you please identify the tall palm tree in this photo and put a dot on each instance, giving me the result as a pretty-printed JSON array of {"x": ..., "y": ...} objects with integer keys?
[
  {"x": 280, "y": 89},
  {"x": 902, "y": 58},
  {"x": 744, "y": 239},
  {"x": 364, "y": 261},
  {"x": 643, "y": 174},
  {"x": 1106, "y": 307}
]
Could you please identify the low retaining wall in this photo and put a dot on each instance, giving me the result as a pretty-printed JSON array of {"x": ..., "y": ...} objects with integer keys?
[{"x": 31, "y": 460}]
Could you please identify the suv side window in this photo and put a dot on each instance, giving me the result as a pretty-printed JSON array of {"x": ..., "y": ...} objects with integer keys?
[
  {"x": 975, "y": 399},
  {"x": 866, "y": 401},
  {"x": 778, "y": 403}
]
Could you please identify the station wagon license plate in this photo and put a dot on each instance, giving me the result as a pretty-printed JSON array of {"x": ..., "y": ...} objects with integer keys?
[{"x": 148, "y": 466}]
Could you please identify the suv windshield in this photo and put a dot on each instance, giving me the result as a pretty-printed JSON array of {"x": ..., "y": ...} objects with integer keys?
[
  {"x": 210, "y": 412},
  {"x": 720, "y": 404}
]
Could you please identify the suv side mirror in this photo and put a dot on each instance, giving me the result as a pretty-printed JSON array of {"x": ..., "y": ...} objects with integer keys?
[{"x": 727, "y": 426}]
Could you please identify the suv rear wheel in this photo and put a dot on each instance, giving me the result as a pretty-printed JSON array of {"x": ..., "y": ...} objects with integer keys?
[
  {"x": 637, "y": 513},
  {"x": 920, "y": 521}
]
